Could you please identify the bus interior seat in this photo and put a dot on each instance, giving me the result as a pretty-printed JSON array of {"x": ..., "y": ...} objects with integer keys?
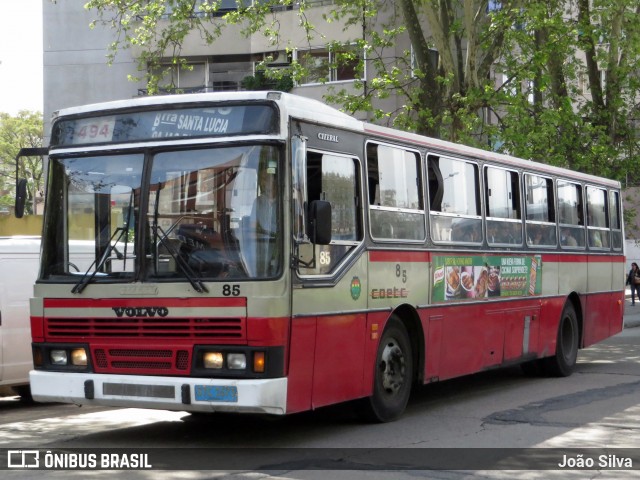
[{"x": 382, "y": 230}]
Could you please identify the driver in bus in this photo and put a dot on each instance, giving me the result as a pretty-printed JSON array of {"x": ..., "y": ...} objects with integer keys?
[{"x": 263, "y": 213}]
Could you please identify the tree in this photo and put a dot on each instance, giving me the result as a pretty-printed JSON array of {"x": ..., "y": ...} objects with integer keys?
[
  {"x": 24, "y": 130},
  {"x": 571, "y": 93},
  {"x": 435, "y": 87},
  {"x": 554, "y": 81}
]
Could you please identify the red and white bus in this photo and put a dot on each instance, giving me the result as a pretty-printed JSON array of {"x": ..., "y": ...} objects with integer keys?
[{"x": 262, "y": 252}]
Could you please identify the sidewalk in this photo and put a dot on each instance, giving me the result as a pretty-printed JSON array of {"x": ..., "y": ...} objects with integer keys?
[{"x": 631, "y": 314}]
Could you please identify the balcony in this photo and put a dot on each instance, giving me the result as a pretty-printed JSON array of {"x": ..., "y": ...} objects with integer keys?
[{"x": 223, "y": 86}]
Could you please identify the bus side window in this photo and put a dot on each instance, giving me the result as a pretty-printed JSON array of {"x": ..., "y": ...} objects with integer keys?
[
  {"x": 597, "y": 219},
  {"x": 335, "y": 179},
  {"x": 373, "y": 178},
  {"x": 436, "y": 187},
  {"x": 454, "y": 200},
  {"x": 571, "y": 218},
  {"x": 502, "y": 194},
  {"x": 396, "y": 204},
  {"x": 615, "y": 222}
]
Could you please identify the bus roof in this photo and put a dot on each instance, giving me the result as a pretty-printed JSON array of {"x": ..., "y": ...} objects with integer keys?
[
  {"x": 443, "y": 146},
  {"x": 318, "y": 112},
  {"x": 294, "y": 105}
]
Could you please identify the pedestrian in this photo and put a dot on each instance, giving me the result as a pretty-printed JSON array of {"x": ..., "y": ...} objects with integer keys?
[{"x": 633, "y": 280}]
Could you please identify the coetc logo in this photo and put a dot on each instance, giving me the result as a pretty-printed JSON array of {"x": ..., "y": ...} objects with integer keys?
[{"x": 356, "y": 288}]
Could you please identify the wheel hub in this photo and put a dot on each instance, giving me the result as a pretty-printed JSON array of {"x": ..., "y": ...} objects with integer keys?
[{"x": 392, "y": 367}]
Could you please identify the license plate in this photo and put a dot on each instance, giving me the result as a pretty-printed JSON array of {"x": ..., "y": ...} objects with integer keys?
[{"x": 213, "y": 393}]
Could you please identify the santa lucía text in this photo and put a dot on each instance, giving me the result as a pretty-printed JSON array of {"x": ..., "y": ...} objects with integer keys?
[{"x": 173, "y": 124}]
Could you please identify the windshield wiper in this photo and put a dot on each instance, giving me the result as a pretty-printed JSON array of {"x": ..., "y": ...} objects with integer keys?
[
  {"x": 186, "y": 270},
  {"x": 86, "y": 278},
  {"x": 182, "y": 264}
]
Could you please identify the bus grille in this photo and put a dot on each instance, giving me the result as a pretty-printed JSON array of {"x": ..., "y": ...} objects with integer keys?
[
  {"x": 140, "y": 360},
  {"x": 190, "y": 328}
]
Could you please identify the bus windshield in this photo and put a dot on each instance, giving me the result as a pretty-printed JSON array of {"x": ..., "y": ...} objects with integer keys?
[{"x": 205, "y": 214}]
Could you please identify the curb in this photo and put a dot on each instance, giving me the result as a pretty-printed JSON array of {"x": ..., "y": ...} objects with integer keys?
[{"x": 631, "y": 322}]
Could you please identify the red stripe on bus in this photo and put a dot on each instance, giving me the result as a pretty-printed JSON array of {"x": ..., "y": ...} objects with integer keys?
[
  {"x": 581, "y": 258},
  {"x": 398, "y": 256},
  {"x": 143, "y": 302},
  {"x": 404, "y": 256}
]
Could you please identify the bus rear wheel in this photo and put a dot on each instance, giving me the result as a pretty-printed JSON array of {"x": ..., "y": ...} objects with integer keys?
[
  {"x": 393, "y": 375},
  {"x": 567, "y": 344}
]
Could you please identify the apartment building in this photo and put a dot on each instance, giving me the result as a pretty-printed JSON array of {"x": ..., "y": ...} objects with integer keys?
[{"x": 76, "y": 70}]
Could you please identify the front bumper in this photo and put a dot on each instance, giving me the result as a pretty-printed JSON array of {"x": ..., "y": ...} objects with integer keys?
[{"x": 166, "y": 393}]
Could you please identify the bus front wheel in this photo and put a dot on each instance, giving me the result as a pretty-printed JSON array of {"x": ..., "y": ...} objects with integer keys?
[
  {"x": 393, "y": 375},
  {"x": 567, "y": 344}
]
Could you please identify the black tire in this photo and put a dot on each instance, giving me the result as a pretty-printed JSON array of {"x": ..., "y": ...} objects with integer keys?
[
  {"x": 567, "y": 344},
  {"x": 25, "y": 393},
  {"x": 532, "y": 368},
  {"x": 393, "y": 375}
]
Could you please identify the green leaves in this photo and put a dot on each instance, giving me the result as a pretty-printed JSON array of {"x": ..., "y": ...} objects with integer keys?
[
  {"x": 554, "y": 81},
  {"x": 21, "y": 131}
]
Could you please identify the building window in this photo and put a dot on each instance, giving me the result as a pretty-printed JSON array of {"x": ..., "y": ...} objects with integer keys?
[
  {"x": 324, "y": 65},
  {"x": 190, "y": 77},
  {"x": 434, "y": 58}
]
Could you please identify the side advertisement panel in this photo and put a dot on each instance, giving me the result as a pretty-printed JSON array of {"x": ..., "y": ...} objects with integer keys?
[{"x": 464, "y": 277}]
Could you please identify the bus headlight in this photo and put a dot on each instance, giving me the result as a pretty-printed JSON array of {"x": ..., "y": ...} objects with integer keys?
[
  {"x": 58, "y": 357},
  {"x": 79, "y": 357},
  {"x": 237, "y": 361},
  {"x": 212, "y": 360}
]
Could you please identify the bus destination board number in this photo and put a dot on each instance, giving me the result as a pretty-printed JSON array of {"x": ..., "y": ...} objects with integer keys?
[
  {"x": 206, "y": 121},
  {"x": 94, "y": 130}
]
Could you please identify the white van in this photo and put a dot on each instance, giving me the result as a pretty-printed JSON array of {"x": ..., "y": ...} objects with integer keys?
[{"x": 19, "y": 263}]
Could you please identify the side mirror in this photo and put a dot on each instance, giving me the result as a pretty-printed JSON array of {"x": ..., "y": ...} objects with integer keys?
[
  {"x": 320, "y": 222},
  {"x": 21, "y": 183},
  {"x": 21, "y": 197}
]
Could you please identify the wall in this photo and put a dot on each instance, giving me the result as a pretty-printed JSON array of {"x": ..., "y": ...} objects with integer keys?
[
  {"x": 28, "y": 225},
  {"x": 75, "y": 61}
]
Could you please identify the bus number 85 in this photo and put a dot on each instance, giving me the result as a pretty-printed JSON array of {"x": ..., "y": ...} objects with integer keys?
[{"x": 231, "y": 290}]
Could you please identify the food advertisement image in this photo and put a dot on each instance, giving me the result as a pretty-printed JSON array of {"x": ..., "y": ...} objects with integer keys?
[{"x": 474, "y": 277}]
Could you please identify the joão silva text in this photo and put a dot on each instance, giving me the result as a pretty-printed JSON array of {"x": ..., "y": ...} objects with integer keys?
[{"x": 604, "y": 461}]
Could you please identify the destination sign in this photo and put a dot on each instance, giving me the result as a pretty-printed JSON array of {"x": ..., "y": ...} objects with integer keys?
[{"x": 166, "y": 124}]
